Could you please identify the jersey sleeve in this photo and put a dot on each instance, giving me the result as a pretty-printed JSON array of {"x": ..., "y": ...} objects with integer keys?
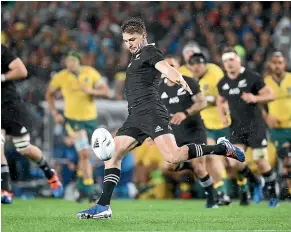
[
  {"x": 258, "y": 84},
  {"x": 193, "y": 84},
  {"x": 8, "y": 56},
  {"x": 97, "y": 78},
  {"x": 56, "y": 81},
  {"x": 219, "y": 88},
  {"x": 152, "y": 55}
]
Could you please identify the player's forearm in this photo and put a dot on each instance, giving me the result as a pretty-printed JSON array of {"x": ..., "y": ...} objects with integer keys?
[
  {"x": 50, "y": 98},
  {"x": 100, "y": 92},
  {"x": 196, "y": 107},
  {"x": 171, "y": 73},
  {"x": 220, "y": 106},
  {"x": 17, "y": 71},
  {"x": 265, "y": 98},
  {"x": 265, "y": 95},
  {"x": 14, "y": 74}
]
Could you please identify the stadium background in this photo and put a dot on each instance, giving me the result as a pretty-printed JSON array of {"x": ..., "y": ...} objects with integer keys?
[{"x": 41, "y": 33}]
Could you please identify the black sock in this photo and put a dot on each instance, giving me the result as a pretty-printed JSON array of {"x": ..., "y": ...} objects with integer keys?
[
  {"x": 111, "y": 178},
  {"x": 5, "y": 178},
  {"x": 43, "y": 165},
  {"x": 246, "y": 172},
  {"x": 270, "y": 178},
  {"x": 196, "y": 150},
  {"x": 207, "y": 184}
]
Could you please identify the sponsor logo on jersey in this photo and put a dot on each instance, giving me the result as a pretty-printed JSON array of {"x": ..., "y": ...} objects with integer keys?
[
  {"x": 225, "y": 86},
  {"x": 174, "y": 100},
  {"x": 205, "y": 87},
  {"x": 242, "y": 83},
  {"x": 137, "y": 57},
  {"x": 164, "y": 95},
  {"x": 181, "y": 92},
  {"x": 23, "y": 130},
  {"x": 234, "y": 91}
]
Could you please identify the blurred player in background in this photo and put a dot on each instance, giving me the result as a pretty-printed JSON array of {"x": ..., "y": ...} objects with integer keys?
[
  {"x": 14, "y": 122},
  {"x": 208, "y": 76},
  {"x": 244, "y": 90},
  {"x": 79, "y": 86},
  {"x": 187, "y": 124},
  {"x": 278, "y": 114}
]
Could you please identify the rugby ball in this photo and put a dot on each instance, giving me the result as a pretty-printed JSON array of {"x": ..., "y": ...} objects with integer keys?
[{"x": 102, "y": 144}]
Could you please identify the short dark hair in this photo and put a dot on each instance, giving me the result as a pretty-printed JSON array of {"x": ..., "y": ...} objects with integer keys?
[
  {"x": 229, "y": 49},
  {"x": 197, "y": 58},
  {"x": 133, "y": 25}
]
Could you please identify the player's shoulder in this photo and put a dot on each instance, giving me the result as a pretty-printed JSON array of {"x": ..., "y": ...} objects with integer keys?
[
  {"x": 268, "y": 79},
  {"x": 288, "y": 75},
  {"x": 222, "y": 81},
  {"x": 250, "y": 74},
  {"x": 214, "y": 69},
  {"x": 61, "y": 73},
  {"x": 88, "y": 69},
  {"x": 190, "y": 79},
  {"x": 185, "y": 71},
  {"x": 150, "y": 49}
]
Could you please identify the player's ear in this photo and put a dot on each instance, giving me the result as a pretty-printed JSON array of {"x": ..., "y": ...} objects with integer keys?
[{"x": 144, "y": 35}]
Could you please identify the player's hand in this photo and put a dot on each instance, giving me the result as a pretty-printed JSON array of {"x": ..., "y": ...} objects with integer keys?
[
  {"x": 271, "y": 121},
  {"x": 225, "y": 121},
  {"x": 177, "y": 118},
  {"x": 85, "y": 89},
  {"x": 184, "y": 85},
  {"x": 249, "y": 97},
  {"x": 59, "y": 119}
]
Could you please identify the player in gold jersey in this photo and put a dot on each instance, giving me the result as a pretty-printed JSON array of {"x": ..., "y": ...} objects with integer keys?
[
  {"x": 278, "y": 116},
  {"x": 208, "y": 75},
  {"x": 79, "y": 86}
]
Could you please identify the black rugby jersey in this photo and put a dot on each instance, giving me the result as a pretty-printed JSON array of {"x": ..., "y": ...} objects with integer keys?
[
  {"x": 8, "y": 88},
  {"x": 176, "y": 99},
  {"x": 142, "y": 78},
  {"x": 241, "y": 112}
]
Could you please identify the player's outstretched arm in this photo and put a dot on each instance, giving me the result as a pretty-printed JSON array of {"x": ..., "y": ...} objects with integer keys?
[
  {"x": 50, "y": 98},
  {"x": 200, "y": 103},
  {"x": 220, "y": 102},
  {"x": 172, "y": 74},
  {"x": 17, "y": 71}
]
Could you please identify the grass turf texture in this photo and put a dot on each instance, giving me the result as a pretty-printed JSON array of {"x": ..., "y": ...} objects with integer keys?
[{"x": 144, "y": 215}]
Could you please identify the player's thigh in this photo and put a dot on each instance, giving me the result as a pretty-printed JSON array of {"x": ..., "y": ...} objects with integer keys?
[
  {"x": 167, "y": 146},
  {"x": 257, "y": 140}
]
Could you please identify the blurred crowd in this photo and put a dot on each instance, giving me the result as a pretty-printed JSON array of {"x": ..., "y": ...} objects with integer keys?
[{"x": 41, "y": 34}]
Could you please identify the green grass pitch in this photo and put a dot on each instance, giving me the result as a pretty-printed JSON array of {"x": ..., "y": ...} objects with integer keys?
[{"x": 144, "y": 215}]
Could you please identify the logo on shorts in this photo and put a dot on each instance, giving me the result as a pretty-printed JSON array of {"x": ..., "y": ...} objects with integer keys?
[
  {"x": 264, "y": 142},
  {"x": 169, "y": 127},
  {"x": 23, "y": 130},
  {"x": 158, "y": 129}
]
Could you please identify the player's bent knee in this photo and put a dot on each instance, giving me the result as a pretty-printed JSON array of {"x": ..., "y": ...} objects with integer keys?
[
  {"x": 81, "y": 142},
  {"x": 22, "y": 144},
  {"x": 260, "y": 154}
]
